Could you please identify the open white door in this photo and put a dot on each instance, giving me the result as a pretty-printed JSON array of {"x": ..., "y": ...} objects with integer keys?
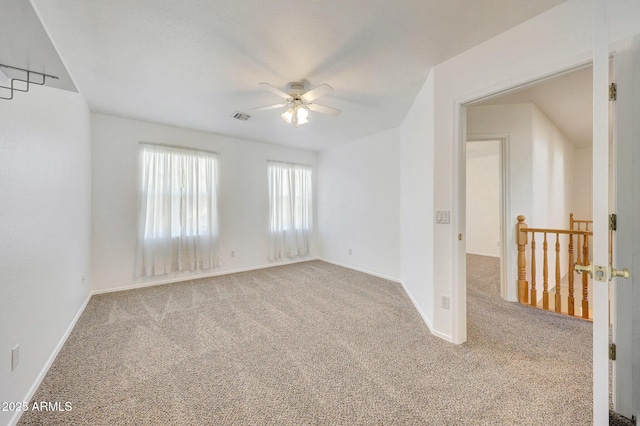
[
  {"x": 627, "y": 182},
  {"x": 626, "y": 332}
]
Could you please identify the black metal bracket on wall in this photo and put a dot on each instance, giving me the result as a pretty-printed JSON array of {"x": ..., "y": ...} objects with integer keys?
[{"x": 12, "y": 88}]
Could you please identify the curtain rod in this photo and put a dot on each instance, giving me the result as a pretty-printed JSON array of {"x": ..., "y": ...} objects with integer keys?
[
  {"x": 287, "y": 162},
  {"x": 179, "y": 147}
]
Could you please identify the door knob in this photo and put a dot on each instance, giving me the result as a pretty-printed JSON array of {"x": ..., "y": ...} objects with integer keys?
[{"x": 624, "y": 273}]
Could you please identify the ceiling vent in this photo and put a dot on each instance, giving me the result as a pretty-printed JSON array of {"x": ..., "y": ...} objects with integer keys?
[{"x": 241, "y": 116}]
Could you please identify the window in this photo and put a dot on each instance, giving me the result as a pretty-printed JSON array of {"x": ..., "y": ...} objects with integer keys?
[
  {"x": 178, "y": 227},
  {"x": 290, "y": 196}
]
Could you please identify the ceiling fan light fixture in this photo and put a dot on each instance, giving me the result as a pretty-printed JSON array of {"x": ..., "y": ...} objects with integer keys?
[
  {"x": 299, "y": 102},
  {"x": 301, "y": 116},
  {"x": 288, "y": 115}
]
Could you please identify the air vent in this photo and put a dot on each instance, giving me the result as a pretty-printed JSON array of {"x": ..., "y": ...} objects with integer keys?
[{"x": 241, "y": 116}]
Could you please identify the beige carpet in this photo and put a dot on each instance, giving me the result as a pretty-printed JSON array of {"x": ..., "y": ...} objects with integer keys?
[{"x": 313, "y": 343}]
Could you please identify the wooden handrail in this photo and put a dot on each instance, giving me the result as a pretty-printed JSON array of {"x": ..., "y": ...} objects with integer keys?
[
  {"x": 528, "y": 294},
  {"x": 572, "y": 221},
  {"x": 556, "y": 231}
]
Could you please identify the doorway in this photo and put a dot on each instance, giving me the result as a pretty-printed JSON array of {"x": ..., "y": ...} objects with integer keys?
[
  {"x": 577, "y": 200},
  {"x": 545, "y": 127},
  {"x": 485, "y": 200}
]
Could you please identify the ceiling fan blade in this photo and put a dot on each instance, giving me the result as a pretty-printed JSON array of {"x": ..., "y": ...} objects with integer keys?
[
  {"x": 265, "y": 108},
  {"x": 323, "y": 89},
  {"x": 275, "y": 90},
  {"x": 324, "y": 109}
]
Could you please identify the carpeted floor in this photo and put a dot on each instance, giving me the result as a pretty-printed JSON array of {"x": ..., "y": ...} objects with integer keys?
[{"x": 313, "y": 343}]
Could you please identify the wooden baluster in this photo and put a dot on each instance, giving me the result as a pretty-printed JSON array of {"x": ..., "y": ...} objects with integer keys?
[
  {"x": 523, "y": 285},
  {"x": 558, "y": 297},
  {"x": 579, "y": 261},
  {"x": 534, "y": 293},
  {"x": 585, "y": 277},
  {"x": 571, "y": 221},
  {"x": 545, "y": 275},
  {"x": 570, "y": 301}
]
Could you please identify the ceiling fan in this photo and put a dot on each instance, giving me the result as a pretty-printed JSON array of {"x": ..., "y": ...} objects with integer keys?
[{"x": 299, "y": 102}]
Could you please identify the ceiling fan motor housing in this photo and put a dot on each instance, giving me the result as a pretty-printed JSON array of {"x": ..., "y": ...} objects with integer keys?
[{"x": 297, "y": 89}]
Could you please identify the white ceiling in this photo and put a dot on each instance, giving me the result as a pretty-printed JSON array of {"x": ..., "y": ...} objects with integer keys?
[
  {"x": 25, "y": 44},
  {"x": 193, "y": 63},
  {"x": 567, "y": 100}
]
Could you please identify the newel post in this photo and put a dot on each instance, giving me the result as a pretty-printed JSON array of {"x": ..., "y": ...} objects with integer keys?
[{"x": 521, "y": 239}]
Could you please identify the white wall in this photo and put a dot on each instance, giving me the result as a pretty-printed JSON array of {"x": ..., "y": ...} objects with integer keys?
[
  {"x": 553, "y": 161},
  {"x": 483, "y": 198},
  {"x": 553, "y": 178},
  {"x": 243, "y": 200},
  {"x": 582, "y": 183},
  {"x": 359, "y": 204},
  {"x": 417, "y": 181},
  {"x": 548, "y": 43},
  {"x": 45, "y": 230}
]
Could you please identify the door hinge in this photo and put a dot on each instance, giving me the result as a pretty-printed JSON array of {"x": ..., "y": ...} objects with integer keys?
[
  {"x": 613, "y": 222},
  {"x": 613, "y": 92},
  {"x": 612, "y": 351}
]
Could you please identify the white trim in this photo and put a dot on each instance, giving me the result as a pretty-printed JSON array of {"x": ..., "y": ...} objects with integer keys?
[
  {"x": 600, "y": 209},
  {"x": 45, "y": 369},
  {"x": 527, "y": 79},
  {"x": 196, "y": 277},
  {"x": 424, "y": 316},
  {"x": 459, "y": 221},
  {"x": 406, "y": 290},
  {"x": 366, "y": 271},
  {"x": 483, "y": 254}
]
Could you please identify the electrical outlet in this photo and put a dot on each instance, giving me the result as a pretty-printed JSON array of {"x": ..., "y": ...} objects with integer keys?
[
  {"x": 15, "y": 357},
  {"x": 445, "y": 302},
  {"x": 350, "y": 252},
  {"x": 233, "y": 253}
]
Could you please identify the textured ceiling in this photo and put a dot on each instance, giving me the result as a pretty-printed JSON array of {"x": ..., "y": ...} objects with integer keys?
[
  {"x": 567, "y": 100},
  {"x": 193, "y": 63}
]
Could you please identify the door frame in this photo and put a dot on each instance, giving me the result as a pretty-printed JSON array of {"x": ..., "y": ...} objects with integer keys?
[
  {"x": 505, "y": 204},
  {"x": 459, "y": 287}
]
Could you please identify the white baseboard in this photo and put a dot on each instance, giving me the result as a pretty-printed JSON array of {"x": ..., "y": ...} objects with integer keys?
[
  {"x": 375, "y": 274},
  {"x": 173, "y": 280},
  {"x": 433, "y": 331},
  {"x": 45, "y": 369},
  {"x": 483, "y": 254},
  {"x": 424, "y": 316}
]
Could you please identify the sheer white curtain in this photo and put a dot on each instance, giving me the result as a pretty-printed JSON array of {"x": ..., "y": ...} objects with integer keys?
[
  {"x": 289, "y": 210},
  {"x": 178, "y": 227}
]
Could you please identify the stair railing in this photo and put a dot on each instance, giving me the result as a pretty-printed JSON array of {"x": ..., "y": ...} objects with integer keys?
[{"x": 528, "y": 294}]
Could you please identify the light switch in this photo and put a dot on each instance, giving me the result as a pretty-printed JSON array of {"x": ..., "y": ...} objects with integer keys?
[{"x": 442, "y": 216}]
